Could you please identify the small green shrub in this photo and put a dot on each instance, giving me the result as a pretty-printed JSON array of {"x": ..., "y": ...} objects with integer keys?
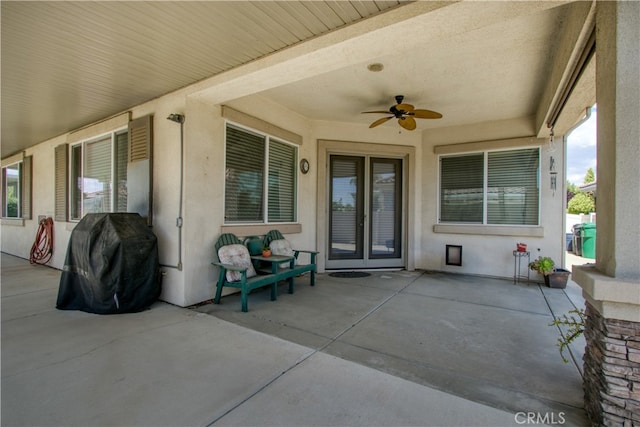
[
  {"x": 12, "y": 207},
  {"x": 575, "y": 326},
  {"x": 581, "y": 203},
  {"x": 543, "y": 265}
]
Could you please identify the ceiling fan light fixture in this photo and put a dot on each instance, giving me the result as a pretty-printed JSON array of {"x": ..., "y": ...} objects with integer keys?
[{"x": 375, "y": 67}]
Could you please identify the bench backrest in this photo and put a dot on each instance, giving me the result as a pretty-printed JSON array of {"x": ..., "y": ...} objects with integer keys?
[
  {"x": 227, "y": 239},
  {"x": 272, "y": 235}
]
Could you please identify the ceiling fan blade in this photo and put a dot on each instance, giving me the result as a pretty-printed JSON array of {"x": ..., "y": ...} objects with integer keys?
[
  {"x": 380, "y": 121},
  {"x": 407, "y": 122},
  {"x": 379, "y": 112},
  {"x": 405, "y": 107},
  {"x": 426, "y": 114}
]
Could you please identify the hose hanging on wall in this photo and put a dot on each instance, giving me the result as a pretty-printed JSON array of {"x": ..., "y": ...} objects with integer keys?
[{"x": 42, "y": 249}]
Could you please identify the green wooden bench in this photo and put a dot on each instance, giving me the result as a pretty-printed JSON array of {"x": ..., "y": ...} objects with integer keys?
[
  {"x": 294, "y": 269},
  {"x": 245, "y": 284},
  {"x": 268, "y": 268}
]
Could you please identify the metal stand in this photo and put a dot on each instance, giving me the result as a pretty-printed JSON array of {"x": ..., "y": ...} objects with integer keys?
[{"x": 517, "y": 266}]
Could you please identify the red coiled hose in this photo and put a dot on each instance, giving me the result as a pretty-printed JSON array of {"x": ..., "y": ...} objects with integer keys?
[{"x": 42, "y": 249}]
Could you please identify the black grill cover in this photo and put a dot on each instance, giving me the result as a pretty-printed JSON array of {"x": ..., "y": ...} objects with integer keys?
[{"x": 111, "y": 266}]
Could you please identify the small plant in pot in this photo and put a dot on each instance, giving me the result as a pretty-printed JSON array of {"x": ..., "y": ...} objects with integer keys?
[
  {"x": 553, "y": 277},
  {"x": 266, "y": 252}
]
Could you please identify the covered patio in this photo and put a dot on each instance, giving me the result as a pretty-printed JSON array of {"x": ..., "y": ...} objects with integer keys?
[
  {"x": 483, "y": 339},
  {"x": 394, "y": 348}
]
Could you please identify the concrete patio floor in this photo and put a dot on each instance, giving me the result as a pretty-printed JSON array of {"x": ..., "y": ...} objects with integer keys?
[{"x": 395, "y": 348}]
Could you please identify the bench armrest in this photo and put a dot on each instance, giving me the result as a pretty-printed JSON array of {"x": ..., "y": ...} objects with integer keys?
[
  {"x": 306, "y": 252},
  {"x": 230, "y": 267},
  {"x": 312, "y": 255}
]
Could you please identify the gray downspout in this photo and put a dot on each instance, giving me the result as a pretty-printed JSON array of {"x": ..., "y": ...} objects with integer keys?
[{"x": 179, "y": 118}]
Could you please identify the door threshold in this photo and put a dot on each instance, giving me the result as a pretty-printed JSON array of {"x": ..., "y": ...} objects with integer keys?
[{"x": 340, "y": 270}]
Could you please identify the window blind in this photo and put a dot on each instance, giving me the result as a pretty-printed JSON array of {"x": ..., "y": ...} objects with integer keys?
[
  {"x": 122, "y": 152},
  {"x": 25, "y": 194},
  {"x": 61, "y": 170},
  {"x": 512, "y": 187},
  {"x": 244, "y": 176},
  {"x": 461, "y": 188},
  {"x": 96, "y": 182},
  {"x": 76, "y": 182},
  {"x": 282, "y": 182}
]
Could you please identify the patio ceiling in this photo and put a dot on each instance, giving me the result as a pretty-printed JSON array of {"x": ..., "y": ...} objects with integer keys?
[{"x": 68, "y": 64}]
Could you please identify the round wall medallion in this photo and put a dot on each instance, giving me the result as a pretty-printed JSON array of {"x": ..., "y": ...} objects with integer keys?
[{"x": 304, "y": 165}]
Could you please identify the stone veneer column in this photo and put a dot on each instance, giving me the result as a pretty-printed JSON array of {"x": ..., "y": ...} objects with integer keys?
[
  {"x": 612, "y": 370},
  {"x": 611, "y": 287}
]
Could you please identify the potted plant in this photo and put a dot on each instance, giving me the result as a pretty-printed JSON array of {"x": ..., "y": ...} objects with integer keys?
[
  {"x": 553, "y": 277},
  {"x": 266, "y": 252}
]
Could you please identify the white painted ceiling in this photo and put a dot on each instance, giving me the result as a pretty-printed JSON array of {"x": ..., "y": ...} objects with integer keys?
[{"x": 68, "y": 64}]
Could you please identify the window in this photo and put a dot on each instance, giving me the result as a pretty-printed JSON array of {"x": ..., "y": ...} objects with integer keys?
[
  {"x": 11, "y": 190},
  {"x": 16, "y": 189},
  {"x": 494, "y": 187},
  {"x": 99, "y": 175},
  {"x": 260, "y": 176}
]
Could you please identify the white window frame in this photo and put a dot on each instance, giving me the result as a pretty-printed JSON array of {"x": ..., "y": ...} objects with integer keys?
[
  {"x": 485, "y": 186},
  {"x": 265, "y": 185},
  {"x": 72, "y": 186}
]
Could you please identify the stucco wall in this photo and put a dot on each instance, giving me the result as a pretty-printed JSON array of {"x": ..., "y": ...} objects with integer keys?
[
  {"x": 484, "y": 252},
  {"x": 202, "y": 208},
  {"x": 18, "y": 235}
]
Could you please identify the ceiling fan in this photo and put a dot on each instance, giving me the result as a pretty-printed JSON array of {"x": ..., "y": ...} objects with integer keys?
[{"x": 405, "y": 113}]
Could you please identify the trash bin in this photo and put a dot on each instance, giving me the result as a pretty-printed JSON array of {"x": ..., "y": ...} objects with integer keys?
[
  {"x": 577, "y": 239},
  {"x": 588, "y": 234}
]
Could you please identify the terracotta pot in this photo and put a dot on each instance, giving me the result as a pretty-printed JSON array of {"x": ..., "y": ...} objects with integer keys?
[{"x": 266, "y": 253}]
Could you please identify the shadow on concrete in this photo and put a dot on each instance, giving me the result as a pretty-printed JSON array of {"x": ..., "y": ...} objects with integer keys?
[{"x": 483, "y": 339}]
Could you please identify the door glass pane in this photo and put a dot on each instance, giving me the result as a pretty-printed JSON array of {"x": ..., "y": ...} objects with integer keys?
[
  {"x": 385, "y": 205},
  {"x": 346, "y": 207}
]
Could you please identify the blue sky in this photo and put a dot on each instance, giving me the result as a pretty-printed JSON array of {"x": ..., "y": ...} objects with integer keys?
[{"x": 581, "y": 150}]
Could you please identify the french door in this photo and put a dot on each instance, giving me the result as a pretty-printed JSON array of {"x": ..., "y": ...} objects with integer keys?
[{"x": 366, "y": 212}]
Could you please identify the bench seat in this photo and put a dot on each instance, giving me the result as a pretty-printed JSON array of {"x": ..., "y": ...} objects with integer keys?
[
  {"x": 240, "y": 279},
  {"x": 245, "y": 284}
]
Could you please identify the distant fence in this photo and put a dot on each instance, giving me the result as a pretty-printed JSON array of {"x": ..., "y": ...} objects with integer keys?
[{"x": 573, "y": 219}]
